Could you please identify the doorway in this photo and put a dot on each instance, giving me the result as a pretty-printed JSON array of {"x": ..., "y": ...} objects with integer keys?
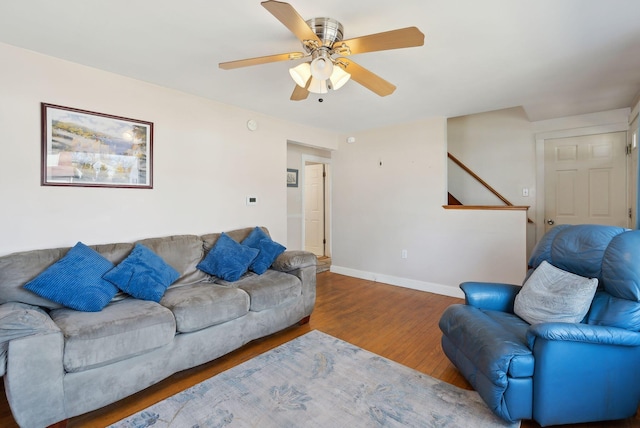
[{"x": 316, "y": 207}]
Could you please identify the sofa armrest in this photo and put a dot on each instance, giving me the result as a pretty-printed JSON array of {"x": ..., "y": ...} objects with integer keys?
[
  {"x": 491, "y": 296},
  {"x": 303, "y": 265},
  {"x": 585, "y": 333},
  {"x": 34, "y": 346},
  {"x": 294, "y": 259},
  {"x": 19, "y": 320}
]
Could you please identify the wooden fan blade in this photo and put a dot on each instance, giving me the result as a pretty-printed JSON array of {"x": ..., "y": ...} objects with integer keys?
[
  {"x": 286, "y": 14},
  {"x": 396, "y": 39},
  {"x": 299, "y": 94},
  {"x": 260, "y": 60},
  {"x": 366, "y": 78}
]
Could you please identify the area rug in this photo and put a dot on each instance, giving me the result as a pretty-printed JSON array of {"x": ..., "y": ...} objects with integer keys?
[{"x": 317, "y": 380}]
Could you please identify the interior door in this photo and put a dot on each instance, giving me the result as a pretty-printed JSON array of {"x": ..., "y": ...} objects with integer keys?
[
  {"x": 585, "y": 180},
  {"x": 314, "y": 209},
  {"x": 632, "y": 167}
]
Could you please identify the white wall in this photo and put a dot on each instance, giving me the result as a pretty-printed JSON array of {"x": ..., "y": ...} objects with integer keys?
[
  {"x": 500, "y": 148},
  {"x": 380, "y": 210},
  {"x": 582, "y": 121},
  {"x": 205, "y": 160}
]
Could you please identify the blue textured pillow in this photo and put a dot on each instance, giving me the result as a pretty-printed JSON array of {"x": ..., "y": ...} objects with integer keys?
[
  {"x": 228, "y": 259},
  {"x": 269, "y": 250},
  {"x": 143, "y": 274},
  {"x": 75, "y": 281}
]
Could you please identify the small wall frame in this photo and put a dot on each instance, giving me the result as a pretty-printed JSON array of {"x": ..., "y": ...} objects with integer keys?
[{"x": 292, "y": 177}]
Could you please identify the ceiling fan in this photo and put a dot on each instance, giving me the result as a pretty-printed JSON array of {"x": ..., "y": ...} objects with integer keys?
[{"x": 322, "y": 42}]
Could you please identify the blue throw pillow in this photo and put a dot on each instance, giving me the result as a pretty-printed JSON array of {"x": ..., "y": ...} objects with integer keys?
[
  {"x": 143, "y": 274},
  {"x": 75, "y": 281},
  {"x": 227, "y": 259},
  {"x": 269, "y": 250}
]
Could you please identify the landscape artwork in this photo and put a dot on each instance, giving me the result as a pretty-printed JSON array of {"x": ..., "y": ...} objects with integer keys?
[{"x": 88, "y": 149}]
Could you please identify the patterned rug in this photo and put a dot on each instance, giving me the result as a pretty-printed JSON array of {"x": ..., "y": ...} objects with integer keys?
[{"x": 317, "y": 380}]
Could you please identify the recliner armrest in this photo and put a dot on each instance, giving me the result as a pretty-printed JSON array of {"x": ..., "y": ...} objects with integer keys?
[
  {"x": 585, "y": 333},
  {"x": 491, "y": 296}
]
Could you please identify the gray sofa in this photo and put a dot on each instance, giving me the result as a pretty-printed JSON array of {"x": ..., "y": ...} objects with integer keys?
[{"x": 58, "y": 363}]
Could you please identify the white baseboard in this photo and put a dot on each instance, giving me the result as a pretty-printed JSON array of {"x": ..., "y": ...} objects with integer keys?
[{"x": 400, "y": 282}]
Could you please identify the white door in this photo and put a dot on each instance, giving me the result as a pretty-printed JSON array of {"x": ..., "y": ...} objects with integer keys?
[
  {"x": 314, "y": 209},
  {"x": 585, "y": 180},
  {"x": 632, "y": 167}
]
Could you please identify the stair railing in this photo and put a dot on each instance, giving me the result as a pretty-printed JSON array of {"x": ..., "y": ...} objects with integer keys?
[{"x": 482, "y": 182}]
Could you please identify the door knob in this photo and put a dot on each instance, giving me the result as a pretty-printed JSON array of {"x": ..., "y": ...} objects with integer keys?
[{"x": 550, "y": 222}]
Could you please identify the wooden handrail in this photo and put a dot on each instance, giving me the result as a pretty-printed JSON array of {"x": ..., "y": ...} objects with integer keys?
[{"x": 480, "y": 180}]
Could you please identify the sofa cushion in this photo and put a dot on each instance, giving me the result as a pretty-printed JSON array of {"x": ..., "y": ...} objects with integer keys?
[
  {"x": 611, "y": 311},
  {"x": 268, "y": 249},
  {"x": 579, "y": 249},
  {"x": 553, "y": 295},
  {"x": 621, "y": 266},
  {"x": 143, "y": 274},
  {"x": 269, "y": 290},
  {"x": 237, "y": 235},
  {"x": 183, "y": 253},
  {"x": 75, "y": 281},
  {"x": 542, "y": 250},
  {"x": 198, "y": 306},
  {"x": 228, "y": 259},
  {"x": 121, "y": 330}
]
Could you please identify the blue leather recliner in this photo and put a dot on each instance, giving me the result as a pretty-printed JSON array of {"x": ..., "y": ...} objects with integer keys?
[{"x": 556, "y": 373}]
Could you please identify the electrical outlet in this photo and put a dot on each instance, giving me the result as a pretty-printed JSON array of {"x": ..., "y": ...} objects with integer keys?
[
  {"x": 405, "y": 254},
  {"x": 525, "y": 192}
]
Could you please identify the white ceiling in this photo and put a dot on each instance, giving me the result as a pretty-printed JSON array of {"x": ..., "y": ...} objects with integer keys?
[{"x": 555, "y": 58}]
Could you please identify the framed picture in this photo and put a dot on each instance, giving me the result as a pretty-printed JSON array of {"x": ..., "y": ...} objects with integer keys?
[
  {"x": 292, "y": 177},
  {"x": 88, "y": 149}
]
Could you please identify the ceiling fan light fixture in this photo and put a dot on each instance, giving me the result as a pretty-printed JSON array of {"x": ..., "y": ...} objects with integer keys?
[
  {"x": 339, "y": 77},
  {"x": 321, "y": 67},
  {"x": 301, "y": 74},
  {"x": 318, "y": 86}
]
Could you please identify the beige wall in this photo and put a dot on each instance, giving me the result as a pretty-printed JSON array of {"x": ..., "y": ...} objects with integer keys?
[
  {"x": 205, "y": 160},
  {"x": 381, "y": 210},
  {"x": 499, "y": 146}
]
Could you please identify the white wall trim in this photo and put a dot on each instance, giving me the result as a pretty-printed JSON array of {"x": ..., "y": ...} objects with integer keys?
[{"x": 429, "y": 287}]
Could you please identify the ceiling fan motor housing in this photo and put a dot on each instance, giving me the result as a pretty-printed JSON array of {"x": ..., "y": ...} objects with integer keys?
[{"x": 328, "y": 31}]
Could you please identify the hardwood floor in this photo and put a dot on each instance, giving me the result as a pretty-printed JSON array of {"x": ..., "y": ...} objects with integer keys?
[{"x": 397, "y": 323}]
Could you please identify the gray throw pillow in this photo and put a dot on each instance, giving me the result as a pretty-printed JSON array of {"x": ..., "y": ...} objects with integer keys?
[{"x": 553, "y": 295}]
